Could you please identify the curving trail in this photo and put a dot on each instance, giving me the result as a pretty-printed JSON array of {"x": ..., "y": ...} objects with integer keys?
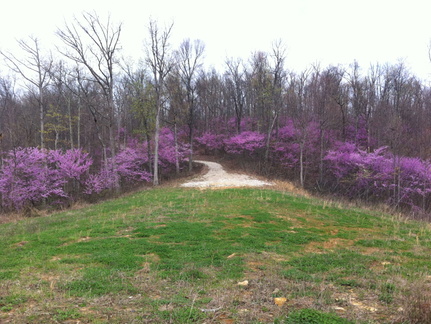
[{"x": 216, "y": 177}]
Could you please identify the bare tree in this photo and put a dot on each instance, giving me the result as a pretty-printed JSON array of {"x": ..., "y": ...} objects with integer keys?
[
  {"x": 94, "y": 44},
  {"x": 178, "y": 106},
  {"x": 159, "y": 59},
  {"x": 189, "y": 58},
  {"x": 236, "y": 78},
  {"x": 35, "y": 70},
  {"x": 64, "y": 91},
  {"x": 209, "y": 90},
  {"x": 140, "y": 95},
  {"x": 278, "y": 78},
  {"x": 8, "y": 103},
  {"x": 301, "y": 120}
]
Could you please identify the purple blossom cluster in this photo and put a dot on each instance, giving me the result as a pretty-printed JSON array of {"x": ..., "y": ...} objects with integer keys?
[
  {"x": 379, "y": 176},
  {"x": 167, "y": 153},
  {"x": 133, "y": 164},
  {"x": 211, "y": 143},
  {"x": 247, "y": 142},
  {"x": 32, "y": 176},
  {"x": 346, "y": 168}
]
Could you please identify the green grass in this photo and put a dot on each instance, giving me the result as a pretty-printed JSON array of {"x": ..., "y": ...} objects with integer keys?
[
  {"x": 176, "y": 255},
  {"x": 311, "y": 316}
]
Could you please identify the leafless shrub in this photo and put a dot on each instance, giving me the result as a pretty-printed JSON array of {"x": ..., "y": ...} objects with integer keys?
[{"x": 417, "y": 304}]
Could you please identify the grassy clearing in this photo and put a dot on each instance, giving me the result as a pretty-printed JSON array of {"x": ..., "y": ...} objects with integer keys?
[{"x": 172, "y": 255}]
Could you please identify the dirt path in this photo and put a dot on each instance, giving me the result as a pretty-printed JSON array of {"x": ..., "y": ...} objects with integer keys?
[{"x": 216, "y": 177}]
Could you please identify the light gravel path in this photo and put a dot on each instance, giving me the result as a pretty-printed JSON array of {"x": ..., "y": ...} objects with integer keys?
[{"x": 216, "y": 177}]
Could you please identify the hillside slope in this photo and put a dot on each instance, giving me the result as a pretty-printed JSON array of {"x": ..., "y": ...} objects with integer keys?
[{"x": 176, "y": 255}]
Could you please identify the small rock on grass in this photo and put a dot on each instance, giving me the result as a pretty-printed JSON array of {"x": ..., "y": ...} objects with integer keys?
[
  {"x": 339, "y": 309},
  {"x": 243, "y": 283},
  {"x": 280, "y": 301}
]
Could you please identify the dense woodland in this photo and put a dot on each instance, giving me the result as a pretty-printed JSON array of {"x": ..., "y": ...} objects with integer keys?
[{"x": 85, "y": 120}]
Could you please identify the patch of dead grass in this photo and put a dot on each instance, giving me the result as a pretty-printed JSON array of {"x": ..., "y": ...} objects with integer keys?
[
  {"x": 286, "y": 186},
  {"x": 329, "y": 245},
  {"x": 79, "y": 240}
]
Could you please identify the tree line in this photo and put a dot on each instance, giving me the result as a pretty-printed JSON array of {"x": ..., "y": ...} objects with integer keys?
[{"x": 89, "y": 98}]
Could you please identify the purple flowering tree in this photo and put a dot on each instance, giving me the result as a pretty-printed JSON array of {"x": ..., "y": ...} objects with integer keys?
[
  {"x": 129, "y": 166},
  {"x": 31, "y": 175},
  {"x": 358, "y": 174},
  {"x": 246, "y": 143},
  {"x": 132, "y": 165},
  {"x": 379, "y": 176},
  {"x": 210, "y": 143},
  {"x": 171, "y": 154}
]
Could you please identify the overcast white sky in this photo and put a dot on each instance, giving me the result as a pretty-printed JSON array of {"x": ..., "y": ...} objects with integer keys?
[{"x": 325, "y": 31}]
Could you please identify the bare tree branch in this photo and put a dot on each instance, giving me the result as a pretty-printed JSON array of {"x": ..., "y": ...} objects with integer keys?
[
  {"x": 35, "y": 70},
  {"x": 93, "y": 44}
]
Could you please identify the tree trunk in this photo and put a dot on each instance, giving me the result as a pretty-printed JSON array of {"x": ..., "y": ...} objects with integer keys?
[
  {"x": 177, "y": 161},
  {"x": 156, "y": 148},
  {"x": 322, "y": 132},
  {"x": 41, "y": 118},
  {"x": 190, "y": 100},
  {"x": 238, "y": 124},
  {"x": 57, "y": 135},
  {"x": 148, "y": 137},
  {"x": 268, "y": 138},
  {"x": 78, "y": 130},
  {"x": 191, "y": 150},
  {"x": 70, "y": 124},
  {"x": 301, "y": 163}
]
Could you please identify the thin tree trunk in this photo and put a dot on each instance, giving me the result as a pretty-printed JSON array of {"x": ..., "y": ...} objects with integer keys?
[
  {"x": 56, "y": 140},
  {"x": 70, "y": 124},
  {"x": 191, "y": 127},
  {"x": 150, "y": 163},
  {"x": 268, "y": 137},
  {"x": 78, "y": 130},
  {"x": 301, "y": 163},
  {"x": 191, "y": 150},
  {"x": 177, "y": 160},
  {"x": 322, "y": 132},
  {"x": 105, "y": 155},
  {"x": 41, "y": 118},
  {"x": 111, "y": 131},
  {"x": 156, "y": 148}
]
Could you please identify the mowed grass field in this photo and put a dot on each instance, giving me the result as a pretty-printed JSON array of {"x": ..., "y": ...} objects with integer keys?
[{"x": 174, "y": 255}]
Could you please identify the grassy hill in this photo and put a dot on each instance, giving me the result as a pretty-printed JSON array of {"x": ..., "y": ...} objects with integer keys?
[{"x": 172, "y": 255}]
